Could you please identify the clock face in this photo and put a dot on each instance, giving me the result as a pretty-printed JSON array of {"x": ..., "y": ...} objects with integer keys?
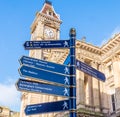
[{"x": 49, "y": 33}]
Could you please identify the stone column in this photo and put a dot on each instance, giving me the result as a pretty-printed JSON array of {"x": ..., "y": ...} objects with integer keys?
[
  {"x": 80, "y": 88},
  {"x": 89, "y": 91},
  {"x": 23, "y": 104},
  {"x": 103, "y": 93},
  {"x": 116, "y": 72},
  {"x": 39, "y": 36},
  {"x": 95, "y": 88}
]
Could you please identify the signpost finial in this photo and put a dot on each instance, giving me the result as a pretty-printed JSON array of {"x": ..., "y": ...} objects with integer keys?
[{"x": 72, "y": 32}]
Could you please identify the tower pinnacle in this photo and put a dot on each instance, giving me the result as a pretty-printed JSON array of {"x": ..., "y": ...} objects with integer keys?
[{"x": 48, "y": 2}]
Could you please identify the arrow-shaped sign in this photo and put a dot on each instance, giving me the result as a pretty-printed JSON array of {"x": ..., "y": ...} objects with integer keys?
[
  {"x": 37, "y": 87},
  {"x": 50, "y": 66},
  {"x": 47, "y": 44},
  {"x": 58, "y": 106},
  {"x": 41, "y": 74},
  {"x": 90, "y": 70}
]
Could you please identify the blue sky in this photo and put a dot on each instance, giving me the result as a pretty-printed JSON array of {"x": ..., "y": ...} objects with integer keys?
[{"x": 97, "y": 20}]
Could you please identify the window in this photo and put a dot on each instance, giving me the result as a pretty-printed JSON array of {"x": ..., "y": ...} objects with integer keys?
[
  {"x": 50, "y": 13},
  {"x": 113, "y": 101},
  {"x": 110, "y": 68}
]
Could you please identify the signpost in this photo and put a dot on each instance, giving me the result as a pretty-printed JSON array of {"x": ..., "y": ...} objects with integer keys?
[
  {"x": 37, "y": 87},
  {"x": 58, "y": 106},
  {"x": 53, "y": 74},
  {"x": 47, "y": 44},
  {"x": 50, "y": 66},
  {"x": 90, "y": 70}
]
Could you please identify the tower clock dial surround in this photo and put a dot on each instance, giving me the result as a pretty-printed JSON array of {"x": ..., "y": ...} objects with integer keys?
[{"x": 49, "y": 33}]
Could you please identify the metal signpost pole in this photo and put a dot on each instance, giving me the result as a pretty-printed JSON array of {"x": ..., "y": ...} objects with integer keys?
[{"x": 72, "y": 73}]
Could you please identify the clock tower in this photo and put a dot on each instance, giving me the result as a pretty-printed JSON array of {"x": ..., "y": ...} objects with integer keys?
[{"x": 46, "y": 26}]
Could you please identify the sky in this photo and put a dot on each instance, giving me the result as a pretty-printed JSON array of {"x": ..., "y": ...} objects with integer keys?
[{"x": 97, "y": 20}]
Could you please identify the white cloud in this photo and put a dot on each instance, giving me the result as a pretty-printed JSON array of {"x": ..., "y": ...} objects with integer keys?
[{"x": 9, "y": 96}]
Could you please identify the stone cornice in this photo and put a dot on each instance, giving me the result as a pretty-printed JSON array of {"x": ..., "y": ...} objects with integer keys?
[
  {"x": 111, "y": 53},
  {"x": 44, "y": 19},
  {"x": 88, "y": 47},
  {"x": 116, "y": 57},
  {"x": 50, "y": 18},
  {"x": 111, "y": 44}
]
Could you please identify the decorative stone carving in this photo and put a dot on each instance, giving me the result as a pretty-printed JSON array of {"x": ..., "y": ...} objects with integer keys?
[{"x": 116, "y": 57}]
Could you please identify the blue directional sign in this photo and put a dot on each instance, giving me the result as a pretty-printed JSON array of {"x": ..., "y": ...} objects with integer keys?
[
  {"x": 58, "y": 106},
  {"x": 67, "y": 60},
  {"x": 37, "y": 87},
  {"x": 47, "y": 44},
  {"x": 41, "y": 74},
  {"x": 50, "y": 66},
  {"x": 89, "y": 70}
]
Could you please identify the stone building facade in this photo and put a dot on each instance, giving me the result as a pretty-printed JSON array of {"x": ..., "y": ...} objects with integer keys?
[
  {"x": 6, "y": 112},
  {"x": 94, "y": 98}
]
